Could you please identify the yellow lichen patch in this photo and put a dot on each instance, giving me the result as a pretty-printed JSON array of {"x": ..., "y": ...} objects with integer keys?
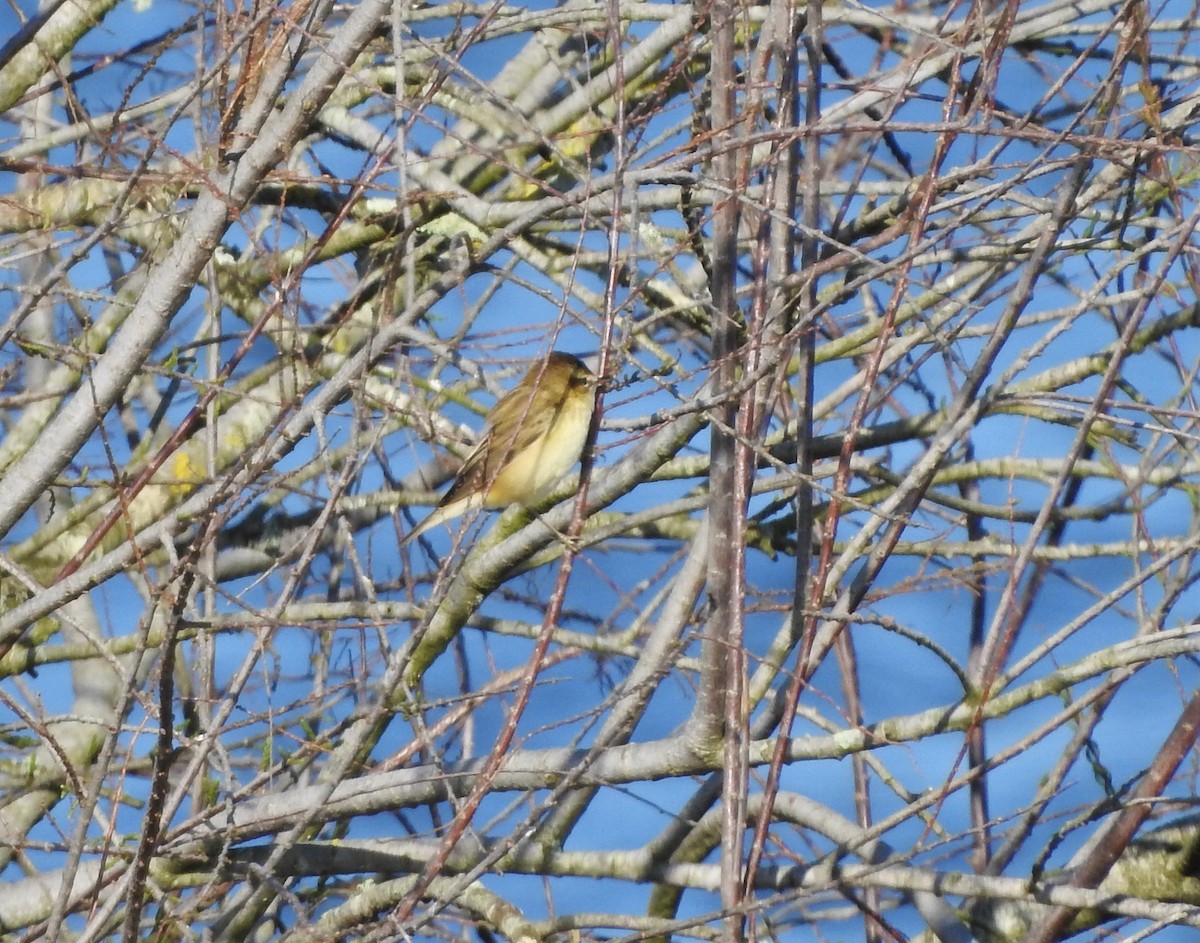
[{"x": 186, "y": 472}]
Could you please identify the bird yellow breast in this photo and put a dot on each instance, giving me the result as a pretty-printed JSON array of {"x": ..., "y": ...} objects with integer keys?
[{"x": 531, "y": 473}]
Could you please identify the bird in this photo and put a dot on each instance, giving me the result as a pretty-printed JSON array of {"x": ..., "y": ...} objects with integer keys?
[{"x": 532, "y": 437}]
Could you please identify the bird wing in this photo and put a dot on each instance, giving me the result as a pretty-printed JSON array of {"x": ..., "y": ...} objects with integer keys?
[{"x": 521, "y": 419}]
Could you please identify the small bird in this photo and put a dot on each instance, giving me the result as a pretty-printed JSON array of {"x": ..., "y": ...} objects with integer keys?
[{"x": 533, "y": 436}]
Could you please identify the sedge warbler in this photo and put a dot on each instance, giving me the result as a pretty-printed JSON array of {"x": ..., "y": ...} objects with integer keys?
[{"x": 533, "y": 436}]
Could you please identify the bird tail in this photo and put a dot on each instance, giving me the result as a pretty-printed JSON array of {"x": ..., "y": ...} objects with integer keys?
[{"x": 444, "y": 512}]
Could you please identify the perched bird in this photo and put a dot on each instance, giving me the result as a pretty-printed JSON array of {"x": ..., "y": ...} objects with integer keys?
[{"x": 534, "y": 434}]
